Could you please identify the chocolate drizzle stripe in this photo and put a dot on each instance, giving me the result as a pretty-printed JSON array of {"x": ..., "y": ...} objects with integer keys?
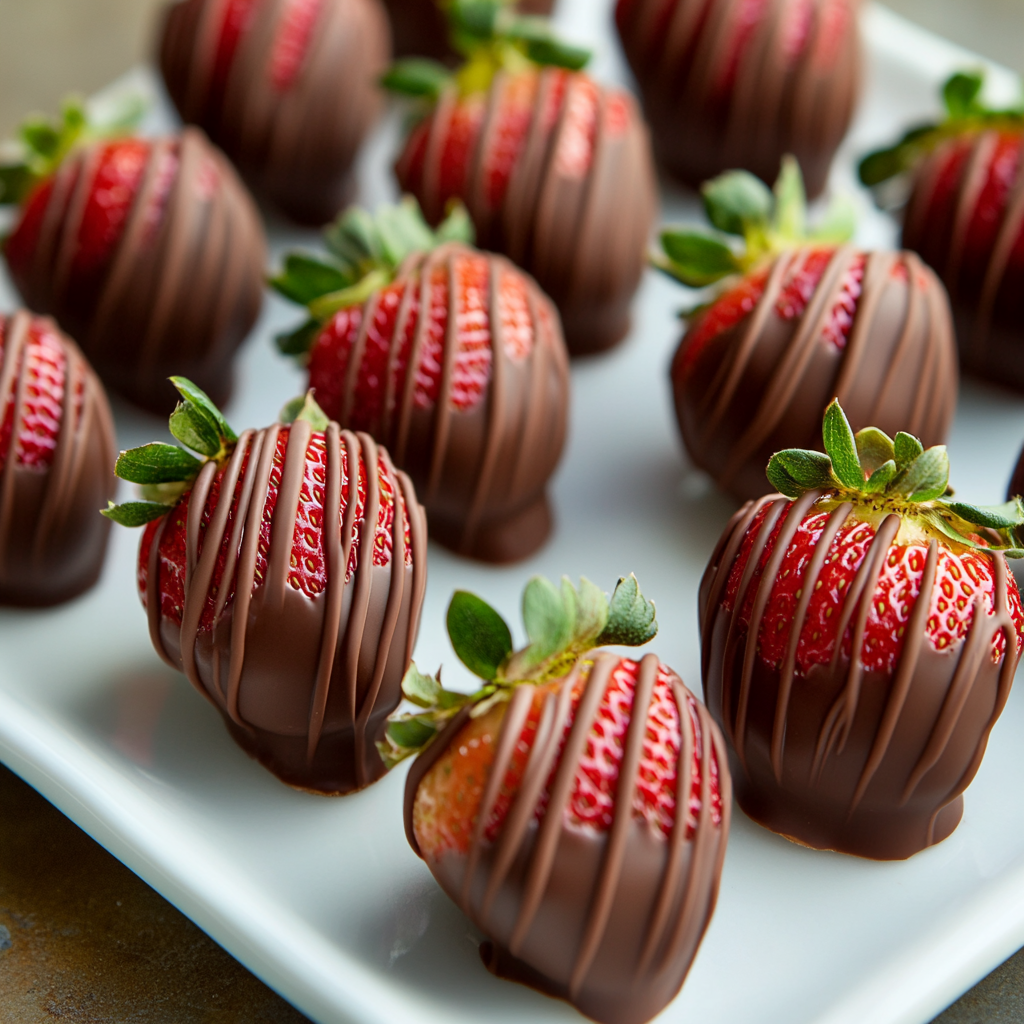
[
  {"x": 837, "y": 518},
  {"x": 248, "y": 443},
  {"x": 877, "y": 270},
  {"x": 418, "y": 550},
  {"x": 426, "y": 268},
  {"x": 914, "y": 639},
  {"x": 971, "y": 184},
  {"x": 541, "y": 758},
  {"x": 153, "y": 597},
  {"x": 536, "y": 428},
  {"x": 443, "y": 410},
  {"x": 367, "y": 316},
  {"x": 71, "y": 223},
  {"x": 13, "y": 378},
  {"x": 611, "y": 867},
  {"x": 518, "y": 710},
  {"x": 560, "y": 793},
  {"x": 45, "y": 254},
  {"x": 794, "y": 516}
]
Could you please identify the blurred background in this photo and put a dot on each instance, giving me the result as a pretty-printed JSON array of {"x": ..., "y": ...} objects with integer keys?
[{"x": 52, "y": 47}]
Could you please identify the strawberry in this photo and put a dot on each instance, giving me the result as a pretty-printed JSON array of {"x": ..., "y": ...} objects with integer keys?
[
  {"x": 799, "y": 319},
  {"x": 549, "y": 805},
  {"x": 56, "y": 444},
  {"x": 740, "y": 83},
  {"x": 286, "y": 87},
  {"x": 965, "y": 217},
  {"x": 553, "y": 168},
  {"x": 283, "y": 572},
  {"x": 859, "y": 634},
  {"x": 415, "y": 337},
  {"x": 148, "y": 251}
]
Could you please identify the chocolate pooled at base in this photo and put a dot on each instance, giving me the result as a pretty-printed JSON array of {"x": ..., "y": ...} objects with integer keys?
[
  {"x": 52, "y": 539},
  {"x": 289, "y": 91},
  {"x": 722, "y": 89}
]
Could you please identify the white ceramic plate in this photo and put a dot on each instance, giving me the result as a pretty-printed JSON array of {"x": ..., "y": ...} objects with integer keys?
[{"x": 325, "y": 901}]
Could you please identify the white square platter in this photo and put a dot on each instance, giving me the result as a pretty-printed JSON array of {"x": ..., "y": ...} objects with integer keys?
[{"x": 325, "y": 901}]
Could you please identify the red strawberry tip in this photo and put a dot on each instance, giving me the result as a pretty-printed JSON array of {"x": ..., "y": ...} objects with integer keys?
[
  {"x": 562, "y": 624},
  {"x": 898, "y": 475}
]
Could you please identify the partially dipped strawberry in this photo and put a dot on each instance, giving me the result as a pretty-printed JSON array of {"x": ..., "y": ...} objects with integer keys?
[
  {"x": 451, "y": 357},
  {"x": 56, "y": 449},
  {"x": 554, "y": 169},
  {"x": 149, "y": 252},
  {"x": 283, "y": 571},
  {"x": 741, "y": 83},
  {"x": 965, "y": 218},
  {"x": 577, "y": 806},
  {"x": 859, "y": 635},
  {"x": 287, "y": 88},
  {"x": 799, "y": 318}
]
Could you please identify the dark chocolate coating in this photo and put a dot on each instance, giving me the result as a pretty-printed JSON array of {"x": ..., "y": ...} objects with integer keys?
[
  {"x": 712, "y": 109},
  {"x": 177, "y": 300},
  {"x": 987, "y": 293},
  {"x": 304, "y": 684},
  {"x": 52, "y": 537},
  {"x": 418, "y": 28},
  {"x": 863, "y": 762},
  {"x": 295, "y": 144},
  {"x": 582, "y": 233},
  {"x": 763, "y": 384},
  {"x": 482, "y": 471},
  {"x": 609, "y": 921}
]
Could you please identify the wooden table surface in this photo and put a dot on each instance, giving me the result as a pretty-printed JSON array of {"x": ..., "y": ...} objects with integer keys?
[{"x": 83, "y": 939}]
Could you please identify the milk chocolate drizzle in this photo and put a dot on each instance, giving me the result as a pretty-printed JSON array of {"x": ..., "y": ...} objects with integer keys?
[
  {"x": 762, "y": 385},
  {"x": 52, "y": 538},
  {"x": 988, "y": 310},
  {"x": 634, "y": 903},
  {"x": 859, "y": 761},
  {"x": 481, "y": 471},
  {"x": 178, "y": 297},
  {"x": 775, "y": 104},
  {"x": 296, "y": 144},
  {"x": 364, "y": 627},
  {"x": 582, "y": 236}
]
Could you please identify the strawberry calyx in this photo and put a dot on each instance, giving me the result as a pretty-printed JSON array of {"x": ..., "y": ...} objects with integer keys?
[
  {"x": 364, "y": 254},
  {"x": 492, "y": 37},
  {"x": 965, "y": 113},
  {"x": 753, "y": 224},
  {"x": 881, "y": 475},
  {"x": 42, "y": 143},
  {"x": 562, "y": 624}
]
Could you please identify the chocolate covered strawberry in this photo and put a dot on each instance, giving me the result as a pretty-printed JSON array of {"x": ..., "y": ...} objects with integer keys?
[
  {"x": 554, "y": 168},
  {"x": 451, "y": 357},
  {"x": 283, "y": 572},
  {"x": 576, "y": 807},
  {"x": 965, "y": 217},
  {"x": 287, "y": 88},
  {"x": 56, "y": 449},
  {"x": 799, "y": 318},
  {"x": 149, "y": 252},
  {"x": 859, "y": 635},
  {"x": 740, "y": 83}
]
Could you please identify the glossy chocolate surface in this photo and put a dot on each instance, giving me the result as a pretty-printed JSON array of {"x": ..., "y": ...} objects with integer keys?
[
  {"x": 52, "y": 537},
  {"x": 481, "y": 471},
  {"x": 987, "y": 293},
  {"x": 180, "y": 293},
  {"x": 763, "y": 384},
  {"x": 581, "y": 231},
  {"x": 839, "y": 758},
  {"x": 609, "y": 921},
  {"x": 305, "y": 684},
  {"x": 418, "y": 28},
  {"x": 722, "y": 93},
  {"x": 293, "y": 140}
]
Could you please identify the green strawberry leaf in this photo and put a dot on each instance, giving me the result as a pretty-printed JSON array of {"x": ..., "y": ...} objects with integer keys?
[
  {"x": 880, "y": 478},
  {"x": 16, "y": 181},
  {"x": 695, "y": 258},
  {"x": 592, "y": 610},
  {"x": 632, "y": 620},
  {"x": 960, "y": 94},
  {"x": 156, "y": 464},
  {"x": 927, "y": 477},
  {"x": 479, "y": 635},
  {"x": 457, "y": 225},
  {"x": 305, "y": 278},
  {"x": 790, "y": 220},
  {"x": 134, "y": 513},
  {"x": 1008, "y": 516},
  {"x": 737, "y": 202},
  {"x": 808, "y": 469},
  {"x": 841, "y": 447},
  {"x": 305, "y": 408},
  {"x": 780, "y": 478},
  {"x": 402, "y": 230},
  {"x": 907, "y": 448},
  {"x": 422, "y": 690},
  {"x": 412, "y": 733},
  {"x": 198, "y": 423},
  {"x": 417, "y": 76},
  {"x": 839, "y": 223},
  {"x": 549, "y": 623},
  {"x": 299, "y": 341},
  {"x": 554, "y": 53},
  {"x": 874, "y": 448},
  {"x": 476, "y": 18}
]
